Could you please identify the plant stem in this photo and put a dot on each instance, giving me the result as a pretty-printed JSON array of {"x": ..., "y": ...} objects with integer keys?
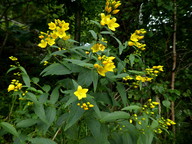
[{"x": 174, "y": 62}]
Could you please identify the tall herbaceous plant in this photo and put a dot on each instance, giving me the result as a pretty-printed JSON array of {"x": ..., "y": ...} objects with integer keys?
[{"x": 89, "y": 101}]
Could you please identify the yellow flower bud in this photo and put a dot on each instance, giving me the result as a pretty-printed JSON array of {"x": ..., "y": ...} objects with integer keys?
[
  {"x": 115, "y": 11},
  {"x": 86, "y": 108},
  {"x": 130, "y": 43},
  {"x": 11, "y": 87},
  {"x": 130, "y": 120},
  {"x": 117, "y": 5},
  {"x": 91, "y": 105}
]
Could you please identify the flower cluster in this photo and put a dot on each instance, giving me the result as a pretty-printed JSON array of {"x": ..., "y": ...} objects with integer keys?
[
  {"x": 136, "y": 37},
  {"x": 111, "y": 6},
  {"x": 154, "y": 70},
  {"x": 164, "y": 123},
  {"x": 107, "y": 65},
  {"x": 13, "y": 58},
  {"x": 81, "y": 93},
  {"x": 143, "y": 79},
  {"x": 128, "y": 78},
  {"x": 17, "y": 74},
  {"x": 110, "y": 22},
  {"x": 58, "y": 30},
  {"x": 86, "y": 105},
  {"x": 150, "y": 104},
  {"x": 150, "y": 73},
  {"x": 98, "y": 47},
  {"x": 16, "y": 62},
  {"x": 137, "y": 119},
  {"x": 14, "y": 86}
]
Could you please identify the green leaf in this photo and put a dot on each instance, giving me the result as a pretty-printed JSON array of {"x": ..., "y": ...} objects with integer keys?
[
  {"x": 74, "y": 115},
  {"x": 131, "y": 59},
  {"x": 122, "y": 91},
  {"x": 43, "y": 97},
  {"x": 35, "y": 80},
  {"x": 47, "y": 57},
  {"x": 55, "y": 69},
  {"x": 97, "y": 130},
  {"x": 166, "y": 103},
  {"x": 26, "y": 79},
  {"x": 120, "y": 66},
  {"x": 71, "y": 40},
  {"x": 96, "y": 108},
  {"x": 46, "y": 88},
  {"x": 93, "y": 34},
  {"x": 59, "y": 53},
  {"x": 9, "y": 128},
  {"x": 75, "y": 84},
  {"x": 85, "y": 77},
  {"x": 11, "y": 69},
  {"x": 88, "y": 140},
  {"x": 94, "y": 76},
  {"x": 50, "y": 114},
  {"x": 154, "y": 124},
  {"x": 94, "y": 126},
  {"x": 114, "y": 116},
  {"x": 121, "y": 47},
  {"x": 71, "y": 100},
  {"x": 132, "y": 107},
  {"x": 40, "y": 112},
  {"x": 54, "y": 95},
  {"x": 80, "y": 63},
  {"x": 41, "y": 141},
  {"x": 32, "y": 97},
  {"x": 126, "y": 137},
  {"x": 26, "y": 123},
  {"x": 23, "y": 70},
  {"x": 95, "y": 22},
  {"x": 107, "y": 32},
  {"x": 120, "y": 75},
  {"x": 136, "y": 72}
]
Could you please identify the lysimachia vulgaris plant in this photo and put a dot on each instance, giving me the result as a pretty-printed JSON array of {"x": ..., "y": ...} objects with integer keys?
[{"x": 89, "y": 102}]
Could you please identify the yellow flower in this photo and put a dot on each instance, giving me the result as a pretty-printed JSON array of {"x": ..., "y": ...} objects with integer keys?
[
  {"x": 134, "y": 37},
  {"x": 50, "y": 41},
  {"x": 61, "y": 32},
  {"x": 65, "y": 26},
  {"x": 101, "y": 70},
  {"x": 98, "y": 47},
  {"x": 108, "y": 9},
  {"x": 54, "y": 35},
  {"x": 19, "y": 85},
  {"x": 66, "y": 37},
  {"x": 109, "y": 66},
  {"x": 81, "y": 93},
  {"x": 52, "y": 26},
  {"x": 11, "y": 87},
  {"x": 112, "y": 25},
  {"x": 160, "y": 68},
  {"x": 95, "y": 48},
  {"x": 42, "y": 44},
  {"x": 105, "y": 19}
]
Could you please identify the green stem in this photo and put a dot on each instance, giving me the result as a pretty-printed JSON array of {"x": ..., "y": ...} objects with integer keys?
[{"x": 11, "y": 110}]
